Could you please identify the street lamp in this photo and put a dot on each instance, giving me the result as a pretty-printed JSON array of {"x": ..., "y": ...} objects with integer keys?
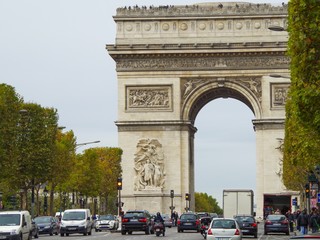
[
  {"x": 86, "y": 143},
  {"x": 1, "y": 205},
  {"x": 45, "y": 201}
]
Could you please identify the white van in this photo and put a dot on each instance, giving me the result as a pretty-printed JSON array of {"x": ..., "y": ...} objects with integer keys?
[
  {"x": 15, "y": 225},
  {"x": 76, "y": 221}
]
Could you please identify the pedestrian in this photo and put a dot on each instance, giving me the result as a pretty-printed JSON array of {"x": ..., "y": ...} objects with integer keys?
[
  {"x": 303, "y": 222},
  {"x": 290, "y": 217},
  {"x": 173, "y": 218},
  {"x": 314, "y": 221},
  {"x": 176, "y": 218}
]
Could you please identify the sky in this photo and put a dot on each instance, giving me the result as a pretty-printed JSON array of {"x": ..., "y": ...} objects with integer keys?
[{"x": 53, "y": 53}]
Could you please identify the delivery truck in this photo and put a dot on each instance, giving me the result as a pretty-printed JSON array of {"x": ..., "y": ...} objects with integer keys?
[{"x": 237, "y": 201}]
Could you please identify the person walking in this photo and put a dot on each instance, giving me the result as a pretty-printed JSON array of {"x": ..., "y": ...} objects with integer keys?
[
  {"x": 290, "y": 217},
  {"x": 314, "y": 221},
  {"x": 303, "y": 222}
]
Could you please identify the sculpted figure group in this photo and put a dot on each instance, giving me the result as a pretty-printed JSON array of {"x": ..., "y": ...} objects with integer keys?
[{"x": 149, "y": 165}]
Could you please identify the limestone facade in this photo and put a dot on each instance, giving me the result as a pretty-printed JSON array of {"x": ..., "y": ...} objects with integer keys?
[{"x": 170, "y": 62}]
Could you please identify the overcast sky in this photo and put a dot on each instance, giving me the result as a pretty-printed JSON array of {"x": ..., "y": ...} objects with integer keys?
[{"x": 53, "y": 53}]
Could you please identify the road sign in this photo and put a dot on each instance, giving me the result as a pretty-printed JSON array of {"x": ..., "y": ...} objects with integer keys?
[
  {"x": 294, "y": 202},
  {"x": 318, "y": 197}
]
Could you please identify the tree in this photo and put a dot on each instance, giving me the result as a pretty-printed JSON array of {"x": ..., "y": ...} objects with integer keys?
[
  {"x": 205, "y": 203},
  {"x": 302, "y": 126},
  {"x": 10, "y": 104}
]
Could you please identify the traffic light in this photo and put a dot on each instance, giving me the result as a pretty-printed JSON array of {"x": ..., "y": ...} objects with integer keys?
[
  {"x": 307, "y": 190},
  {"x": 172, "y": 193},
  {"x": 187, "y": 197},
  {"x": 119, "y": 184}
]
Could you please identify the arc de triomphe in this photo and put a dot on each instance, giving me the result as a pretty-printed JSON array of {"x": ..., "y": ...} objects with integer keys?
[{"x": 170, "y": 62}]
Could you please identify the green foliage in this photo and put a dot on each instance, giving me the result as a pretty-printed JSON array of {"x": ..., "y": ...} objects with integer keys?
[
  {"x": 205, "y": 203},
  {"x": 302, "y": 126}
]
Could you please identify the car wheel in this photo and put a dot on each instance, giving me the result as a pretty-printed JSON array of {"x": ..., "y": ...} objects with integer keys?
[
  {"x": 61, "y": 234},
  {"x": 51, "y": 233},
  {"x": 148, "y": 231},
  {"x": 123, "y": 232},
  {"x": 255, "y": 236},
  {"x": 130, "y": 232},
  {"x": 96, "y": 230},
  {"x": 67, "y": 234},
  {"x": 265, "y": 233},
  {"x": 287, "y": 233}
]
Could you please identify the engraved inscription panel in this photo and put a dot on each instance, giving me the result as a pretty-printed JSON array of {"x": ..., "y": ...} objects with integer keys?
[
  {"x": 279, "y": 94},
  {"x": 157, "y": 98}
]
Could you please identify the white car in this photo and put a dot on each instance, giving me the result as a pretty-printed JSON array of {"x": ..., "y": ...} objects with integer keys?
[
  {"x": 106, "y": 222},
  {"x": 224, "y": 228}
]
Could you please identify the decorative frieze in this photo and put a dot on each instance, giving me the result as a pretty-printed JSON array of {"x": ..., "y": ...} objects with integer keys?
[
  {"x": 214, "y": 62},
  {"x": 279, "y": 94},
  {"x": 150, "y": 97},
  {"x": 149, "y": 165}
]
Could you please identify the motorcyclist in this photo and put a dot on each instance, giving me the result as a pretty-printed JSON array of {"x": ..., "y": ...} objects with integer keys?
[{"x": 159, "y": 218}]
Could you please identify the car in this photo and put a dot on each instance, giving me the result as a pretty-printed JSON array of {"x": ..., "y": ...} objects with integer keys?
[
  {"x": 47, "y": 225},
  {"x": 34, "y": 229},
  {"x": 136, "y": 220},
  {"x": 213, "y": 215},
  {"x": 189, "y": 221},
  {"x": 167, "y": 220},
  {"x": 76, "y": 221},
  {"x": 224, "y": 228},
  {"x": 276, "y": 223},
  {"x": 248, "y": 225},
  {"x": 203, "y": 214},
  {"x": 15, "y": 225},
  {"x": 106, "y": 222}
]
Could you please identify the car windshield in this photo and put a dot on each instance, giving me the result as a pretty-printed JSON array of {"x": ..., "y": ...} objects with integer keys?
[
  {"x": 134, "y": 214},
  {"x": 188, "y": 217},
  {"x": 276, "y": 217},
  {"x": 42, "y": 220},
  {"x": 245, "y": 219},
  {"x": 106, "y": 217},
  {"x": 9, "y": 219},
  {"x": 73, "y": 216},
  {"x": 223, "y": 223}
]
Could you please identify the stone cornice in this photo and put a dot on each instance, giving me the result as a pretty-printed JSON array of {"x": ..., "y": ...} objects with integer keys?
[
  {"x": 266, "y": 124},
  {"x": 126, "y": 126},
  {"x": 206, "y": 10}
]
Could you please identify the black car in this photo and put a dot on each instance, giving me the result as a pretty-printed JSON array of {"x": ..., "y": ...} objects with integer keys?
[
  {"x": 276, "y": 223},
  {"x": 189, "y": 221},
  {"x": 137, "y": 220},
  {"x": 247, "y": 224},
  {"x": 47, "y": 225}
]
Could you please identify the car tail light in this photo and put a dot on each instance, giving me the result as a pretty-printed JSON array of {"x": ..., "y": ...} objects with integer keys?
[
  {"x": 254, "y": 225},
  {"x": 179, "y": 222},
  {"x": 237, "y": 232},
  {"x": 268, "y": 222},
  {"x": 209, "y": 232},
  {"x": 285, "y": 222},
  {"x": 142, "y": 220},
  {"x": 125, "y": 220}
]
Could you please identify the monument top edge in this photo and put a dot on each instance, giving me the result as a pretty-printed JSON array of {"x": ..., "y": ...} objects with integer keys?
[{"x": 203, "y": 8}]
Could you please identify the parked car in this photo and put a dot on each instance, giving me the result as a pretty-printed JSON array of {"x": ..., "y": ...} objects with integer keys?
[
  {"x": 136, "y": 220},
  {"x": 47, "y": 225},
  {"x": 248, "y": 225},
  {"x": 224, "y": 228},
  {"x": 167, "y": 220},
  {"x": 189, "y": 221},
  {"x": 276, "y": 223},
  {"x": 106, "y": 222},
  {"x": 34, "y": 229}
]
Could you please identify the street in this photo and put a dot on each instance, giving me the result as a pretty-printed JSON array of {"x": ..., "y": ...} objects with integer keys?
[{"x": 171, "y": 233}]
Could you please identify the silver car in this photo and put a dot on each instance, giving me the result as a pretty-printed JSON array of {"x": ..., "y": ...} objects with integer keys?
[{"x": 224, "y": 228}]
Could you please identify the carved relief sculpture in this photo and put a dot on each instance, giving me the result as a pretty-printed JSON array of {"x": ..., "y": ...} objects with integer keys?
[
  {"x": 146, "y": 97},
  {"x": 149, "y": 165}
]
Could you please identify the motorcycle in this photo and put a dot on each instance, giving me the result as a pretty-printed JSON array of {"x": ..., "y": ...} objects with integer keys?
[
  {"x": 159, "y": 229},
  {"x": 205, "y": 222}
]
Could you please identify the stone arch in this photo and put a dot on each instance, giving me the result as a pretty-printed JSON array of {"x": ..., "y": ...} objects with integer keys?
[{"x": 205, "y": 93}]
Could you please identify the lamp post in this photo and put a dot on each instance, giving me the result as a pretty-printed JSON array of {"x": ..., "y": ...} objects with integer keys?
[
  {"x": 1, "y": 205},
  {"x": 86, "y": 143},
  {"x": 45, "y": 201}
]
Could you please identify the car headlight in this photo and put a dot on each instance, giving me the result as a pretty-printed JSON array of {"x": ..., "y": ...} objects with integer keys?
[
  {"x": 14, "y": 232},
  {"x": 46, "y": 226}
]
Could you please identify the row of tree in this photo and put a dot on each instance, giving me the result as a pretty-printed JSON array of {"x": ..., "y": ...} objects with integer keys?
[
  {"x": 35, "y": 155},
  {"x": 302, "y": 126}
]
